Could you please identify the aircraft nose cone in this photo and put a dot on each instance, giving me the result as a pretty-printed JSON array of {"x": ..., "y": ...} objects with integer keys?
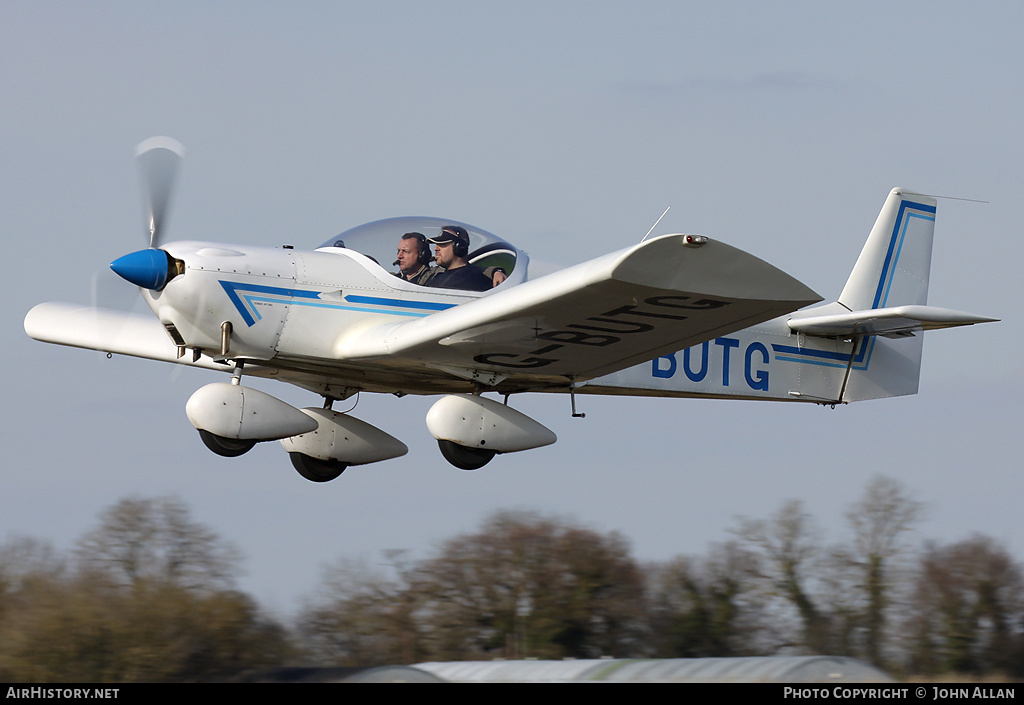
[{"x": 145, "y": 268}]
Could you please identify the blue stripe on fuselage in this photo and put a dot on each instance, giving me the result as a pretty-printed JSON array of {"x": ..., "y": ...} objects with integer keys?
[{"x": 244, "y": 297}]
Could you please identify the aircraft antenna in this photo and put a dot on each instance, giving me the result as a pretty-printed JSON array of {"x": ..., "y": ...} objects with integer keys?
[
  {"x": 655, "y": 224},
  {"x": 948, "y": 198}
]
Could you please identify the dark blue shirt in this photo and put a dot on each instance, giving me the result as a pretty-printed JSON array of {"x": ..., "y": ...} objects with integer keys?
[{"x": 467, "y": 277}]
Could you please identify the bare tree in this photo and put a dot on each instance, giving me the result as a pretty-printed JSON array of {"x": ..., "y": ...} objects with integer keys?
[
  {"x": 881, "y": 520},
  {"x": 155, "y": 540},
  {"x": 364, "y": 616},
  {"x": 527, "y": 585},
  {"x": 789, "y": 547},
  {"x": 704, "y": 607}
]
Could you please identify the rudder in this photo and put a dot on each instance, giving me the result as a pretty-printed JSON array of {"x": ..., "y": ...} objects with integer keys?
[{"x": 894, "y": 266}]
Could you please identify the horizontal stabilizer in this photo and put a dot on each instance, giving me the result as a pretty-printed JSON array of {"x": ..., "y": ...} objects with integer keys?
[{"x": 893, "y": 321}]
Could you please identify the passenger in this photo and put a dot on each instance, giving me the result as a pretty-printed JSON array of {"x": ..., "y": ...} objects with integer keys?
[
  {"x": 450, "y": 250},
  {"x": 414, "y": 259}
]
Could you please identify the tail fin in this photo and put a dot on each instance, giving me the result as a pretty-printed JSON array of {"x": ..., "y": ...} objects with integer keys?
[
  {"x": 894, "y": 266},
  {"x": 893, "y": 270},
  {"x": 883, "y": 308}
]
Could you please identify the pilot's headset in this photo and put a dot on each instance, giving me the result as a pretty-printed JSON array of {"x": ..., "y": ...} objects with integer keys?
[
  {"x": 460, "y": 244},
  {"x": 423, "y": 254}
]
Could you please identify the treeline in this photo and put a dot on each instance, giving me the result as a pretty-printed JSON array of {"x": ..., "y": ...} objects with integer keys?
[
  {"x": 529, "y": 586},
  {"x": 149, "y": 595}
]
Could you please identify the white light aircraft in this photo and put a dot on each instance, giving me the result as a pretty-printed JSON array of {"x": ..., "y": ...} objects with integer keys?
[{"x": 675, "y": 315}]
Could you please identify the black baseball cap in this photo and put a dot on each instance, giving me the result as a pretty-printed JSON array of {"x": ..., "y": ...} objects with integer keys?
[{"x": 450, "y": 233}]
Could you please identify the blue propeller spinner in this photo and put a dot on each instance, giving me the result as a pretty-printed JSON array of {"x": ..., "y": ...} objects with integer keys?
[{"x": 145, "y": 268}]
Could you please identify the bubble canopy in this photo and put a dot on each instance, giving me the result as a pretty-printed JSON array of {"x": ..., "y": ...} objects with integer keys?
[{"x": 379, "y": 241}]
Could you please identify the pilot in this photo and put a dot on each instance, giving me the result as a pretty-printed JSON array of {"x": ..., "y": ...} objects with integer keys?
[
  {"x": 496, "y": 274},
  {"x": 450, "y": 250},
  {"x": 414, "y": 259}
]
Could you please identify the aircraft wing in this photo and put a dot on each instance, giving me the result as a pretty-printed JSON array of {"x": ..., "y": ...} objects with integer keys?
[
  {"x": 106, "y": 330},
  {"x": 592, "y": 319}
]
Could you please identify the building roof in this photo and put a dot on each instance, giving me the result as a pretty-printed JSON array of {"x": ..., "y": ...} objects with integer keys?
[{"x": 768, "y": 669}]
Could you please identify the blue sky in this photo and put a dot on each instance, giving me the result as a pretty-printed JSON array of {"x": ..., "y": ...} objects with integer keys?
[{"x": 567, "y": 128}]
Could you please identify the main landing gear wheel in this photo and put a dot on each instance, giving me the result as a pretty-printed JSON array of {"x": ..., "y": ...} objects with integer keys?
[
  {"x": 228, "y": 447},
  {"x": 464, "y": 457},
  {"x": 316, "y": 470}
]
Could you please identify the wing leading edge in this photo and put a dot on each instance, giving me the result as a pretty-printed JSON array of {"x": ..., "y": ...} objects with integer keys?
[
  {"x": 106, "y": 330},
  {"x": 591, "y": 319}
]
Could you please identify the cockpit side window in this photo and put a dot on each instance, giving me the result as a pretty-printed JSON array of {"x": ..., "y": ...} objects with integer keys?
[{"x": 498, "y": 259}]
